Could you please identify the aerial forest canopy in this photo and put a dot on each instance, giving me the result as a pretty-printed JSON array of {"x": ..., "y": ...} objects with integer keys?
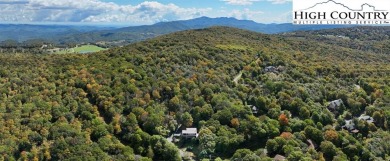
[{"x": 250, "y": 96}]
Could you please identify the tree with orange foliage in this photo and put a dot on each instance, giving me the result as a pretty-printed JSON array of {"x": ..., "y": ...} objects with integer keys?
[
  {"x": 332, "y": 136},
  {"x": 235, "y": 122},
  {"x": 283, "y": 120},
  {"x": 286, "y": 135}
]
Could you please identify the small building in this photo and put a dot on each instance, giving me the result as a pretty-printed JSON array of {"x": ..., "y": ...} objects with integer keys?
[
  {"x": 349, "y": 125},
  {"x": 335, "y": 105},
  {"x": 366, "y": 118},
  {"x": 254, "y": 109},
  {"x": 55, "y": 50},
  {"x": 279, "y": 157},
  {"x": 189, "y": 133},
  {"x": 44, "y": 46},
  {"x": 271, "y": 69}
]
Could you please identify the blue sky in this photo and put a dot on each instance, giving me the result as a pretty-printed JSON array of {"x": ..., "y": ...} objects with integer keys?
[{"x": 139, "y": 12}]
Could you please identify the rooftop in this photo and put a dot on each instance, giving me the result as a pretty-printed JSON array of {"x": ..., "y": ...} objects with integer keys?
[
  {"x": 279, "y": 157},
  {"x": 337, "y": 102},
  {"x": 364, "y": 117},
  {"x": 190, "y": 130}
]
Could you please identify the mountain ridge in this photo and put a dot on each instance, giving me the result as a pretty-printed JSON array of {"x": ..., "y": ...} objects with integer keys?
[{"x": 137, "y": 33}]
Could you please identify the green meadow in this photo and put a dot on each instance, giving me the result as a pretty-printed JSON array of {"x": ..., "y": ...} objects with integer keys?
[{"x": 83, "y": 49}]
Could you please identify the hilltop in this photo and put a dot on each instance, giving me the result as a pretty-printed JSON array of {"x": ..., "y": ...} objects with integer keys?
[{"x": 122, "y": 103}]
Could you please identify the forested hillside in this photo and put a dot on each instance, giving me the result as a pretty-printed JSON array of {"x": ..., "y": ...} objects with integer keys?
[
  {"x": 24, "y": 32},
  {"x": 365, "y": 38},
  {"x": 122, "y": 103}
]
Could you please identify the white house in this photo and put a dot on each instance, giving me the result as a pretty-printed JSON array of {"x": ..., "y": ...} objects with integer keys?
[
  {"x": 254, "y": 109},
  {"x": 270, "y": 69},
  {"x": 366, "y": 118},
  {"x": 335, "y": 105},
  {"x": 349, "y": 125},
  {"x": 190, "y": 133}
]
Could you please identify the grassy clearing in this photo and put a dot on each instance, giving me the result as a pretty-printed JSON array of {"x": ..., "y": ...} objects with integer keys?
[
  {"x": 88, "y": 49},
  {"x": 82, "y": 49}
]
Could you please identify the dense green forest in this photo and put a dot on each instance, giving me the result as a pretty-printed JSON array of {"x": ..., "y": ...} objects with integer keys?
[
  {"x": 365, "y": 38},
  {"x": 122, "y": 103}
]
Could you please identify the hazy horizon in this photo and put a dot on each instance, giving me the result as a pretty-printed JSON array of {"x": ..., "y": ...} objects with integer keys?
[
  {"x": 113, "y": 24},
  {"x": 138, "y": 12}
]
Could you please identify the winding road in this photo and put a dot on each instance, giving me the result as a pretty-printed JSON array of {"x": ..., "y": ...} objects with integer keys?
[{"x": 238, "y": 77}]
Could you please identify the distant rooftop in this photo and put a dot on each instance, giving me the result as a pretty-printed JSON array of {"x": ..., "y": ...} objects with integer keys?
[{"x": 190, "y": 130}]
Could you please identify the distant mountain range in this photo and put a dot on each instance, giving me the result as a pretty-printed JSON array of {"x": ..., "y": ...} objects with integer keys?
[
  {"x": 87, "y": 34},
  {"x": 23, "y": 32}
]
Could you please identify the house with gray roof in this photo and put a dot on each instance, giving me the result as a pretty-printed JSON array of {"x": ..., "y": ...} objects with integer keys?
[
  {"x": 190, "y": 133},
  {"x": 335, "y": 105},
  {"x": 366, "y": 118},
  {"x": 271, "y": 69},
  {"x": 350, "y": 126}
]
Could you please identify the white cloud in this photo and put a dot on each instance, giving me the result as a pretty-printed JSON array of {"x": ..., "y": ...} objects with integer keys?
[
  {"x": 240, "y": 2},
  {"x": 93, "y": 11},
  {"x": 278, "y": 1},
  {"x": 256, "y": 15},
  {"x": 246, "y": 14},
  {"x": 250, "y": 2},
  {"x": 148, "y": 12},
  {"x": 285, "y": 17}
]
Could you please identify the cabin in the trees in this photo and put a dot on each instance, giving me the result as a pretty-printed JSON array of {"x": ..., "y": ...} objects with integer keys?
[
  {"x": 271, "y": 69},
  {"x": 366, "y": 118},
  {"x": 254, "y": 109},
  {"x": 350, "y": 126},
  {"x": 44, "y": 46},
  {"x": 335, "y": 105},
  {"x": 190, "y": 133}
]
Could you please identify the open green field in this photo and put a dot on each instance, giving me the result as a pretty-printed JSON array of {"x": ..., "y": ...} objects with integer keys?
[
  {"x": 83, "y": 49},
  {"x": 88, "y": 49}
]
